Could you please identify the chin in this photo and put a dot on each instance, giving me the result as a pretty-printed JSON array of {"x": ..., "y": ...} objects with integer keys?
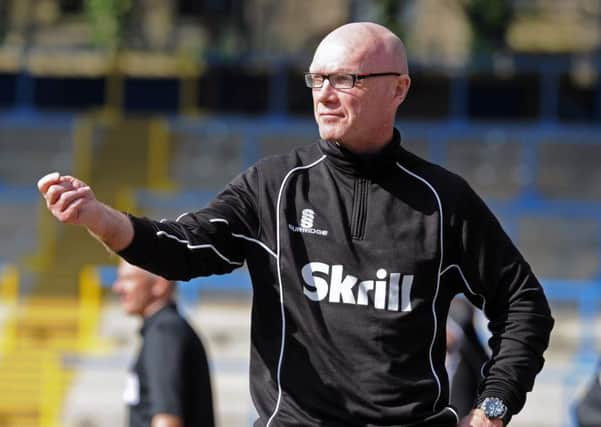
[{"x": 329, "y": 134}]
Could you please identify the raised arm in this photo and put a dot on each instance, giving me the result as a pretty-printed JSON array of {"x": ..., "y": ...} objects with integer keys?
[
  {"x": 200, "y": 243},
  {"x": 72, "y": 201}
]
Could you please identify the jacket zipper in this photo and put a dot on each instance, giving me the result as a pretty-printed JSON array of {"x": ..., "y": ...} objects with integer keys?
[{"x": 359, "y": 216}]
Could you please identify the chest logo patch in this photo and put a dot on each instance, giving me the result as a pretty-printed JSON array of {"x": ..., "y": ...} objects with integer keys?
[
  {"x": 306, "y": 224},
  {"x": 388, "y": 292}
]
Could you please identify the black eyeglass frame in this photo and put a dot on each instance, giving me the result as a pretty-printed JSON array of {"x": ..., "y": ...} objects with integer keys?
[{"x": 355, "y": 77}]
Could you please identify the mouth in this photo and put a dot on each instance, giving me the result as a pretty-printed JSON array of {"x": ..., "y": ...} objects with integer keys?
[{"x": 330, "y": 115}]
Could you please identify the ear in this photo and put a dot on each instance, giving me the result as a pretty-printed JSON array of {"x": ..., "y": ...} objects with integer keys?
[
  {"x": 402, "y": 88},
  {"x": 159, "y": 288}
]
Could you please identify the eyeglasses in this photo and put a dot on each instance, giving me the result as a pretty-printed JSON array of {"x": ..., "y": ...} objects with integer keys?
[{"x": 340, "y": 80}]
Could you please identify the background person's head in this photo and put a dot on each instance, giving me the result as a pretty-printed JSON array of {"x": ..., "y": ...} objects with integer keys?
[
  {"x": 141, "y": 292},
  {"x": 360, "y": 118}
]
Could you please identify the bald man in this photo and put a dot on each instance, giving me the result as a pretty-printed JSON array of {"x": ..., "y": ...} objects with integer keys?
[
  {"x": 355, "y": 248},
  {"x": 169, "y": 384}
]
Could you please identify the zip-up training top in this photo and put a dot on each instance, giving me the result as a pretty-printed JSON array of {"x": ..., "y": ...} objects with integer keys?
[{"x": 354, "y": 261}]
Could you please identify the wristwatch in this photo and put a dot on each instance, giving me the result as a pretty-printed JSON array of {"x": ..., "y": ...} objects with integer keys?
[{"x": 494, "y": 408}]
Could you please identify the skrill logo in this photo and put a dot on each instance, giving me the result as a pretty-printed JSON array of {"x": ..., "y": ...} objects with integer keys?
[{"x": 389, "y": 291}]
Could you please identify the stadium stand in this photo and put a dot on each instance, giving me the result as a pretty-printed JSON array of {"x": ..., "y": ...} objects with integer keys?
[
  {"x": 63, "y": 101},
  {"x": 162, "y": 168},
  {"x": 204, "y": 156},
  {"x": 30, "y": 150},
  {"x": 18, "y": 224}
]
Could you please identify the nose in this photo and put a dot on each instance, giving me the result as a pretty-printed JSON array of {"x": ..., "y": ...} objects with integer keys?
[{"x": 326, "y": 92}]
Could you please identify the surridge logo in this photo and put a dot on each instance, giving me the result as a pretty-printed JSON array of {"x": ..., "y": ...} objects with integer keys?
[
  {"x": 306, "y": 224},
  {"x": 307, "y": 217}
]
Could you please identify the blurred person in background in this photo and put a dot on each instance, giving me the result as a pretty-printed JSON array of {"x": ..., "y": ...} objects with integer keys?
[
  {"x": 355, "y": 247},
  {"x": 465, "y": 356},
  {"x": 169, "y": 384},
  {"x": 587, "y": 409}
]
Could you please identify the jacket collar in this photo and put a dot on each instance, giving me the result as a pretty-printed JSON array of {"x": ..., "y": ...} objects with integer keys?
[
  {"x": 363, "y": 164},
  {"x": 170, "y": 306}
]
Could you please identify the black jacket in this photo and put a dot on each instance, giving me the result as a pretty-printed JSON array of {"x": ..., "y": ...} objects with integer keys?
[
  {"x": 354, "y": 260},
  {"x": 171, "y": 373}
]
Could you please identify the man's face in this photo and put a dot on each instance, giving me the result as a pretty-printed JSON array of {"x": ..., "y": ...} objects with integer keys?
[
  {"x": 134, "y": 288},
  {"x": 357, "y": 115}
]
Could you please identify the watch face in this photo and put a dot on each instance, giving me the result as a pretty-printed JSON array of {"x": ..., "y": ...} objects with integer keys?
[{"x": 493, "y": 407}]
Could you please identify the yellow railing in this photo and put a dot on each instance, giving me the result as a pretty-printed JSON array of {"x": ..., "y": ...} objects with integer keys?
[
  {"x": 82, "y": 147},
  {"x": 9, "y": 284},
  {"x": 22, "y": 356},
  {"x": 33, "y": 385},
  {"x": 158, "y": 156},
  {"x": 52, "y": 384},
  {"x": 47, "y": 236},
  {"x": 39, "y": 373},
  {"x": 114, "y": 90},
  {"x": 90, "y": 300},
  {"x": 9, "y": 292}
]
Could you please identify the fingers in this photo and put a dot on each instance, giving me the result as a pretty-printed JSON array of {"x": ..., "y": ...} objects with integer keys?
[
  {"x": 68, "y": 205},
  {"x": 54, "y": 178},
  {"x": 47, "y": 180},
  {"x": 76, "y": 183},
  {"x": 54, "y": 192},
  {"x": 67, "y": 198},
  {"x": 59, "y": 191},
  {"x": 71, "y": 213}
]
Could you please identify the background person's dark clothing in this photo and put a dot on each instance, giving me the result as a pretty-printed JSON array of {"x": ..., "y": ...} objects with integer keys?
[
  {"x": 172, "y": 372},
  {"x": 354, "y": 261},
  {"x": 588, "y": 408}
]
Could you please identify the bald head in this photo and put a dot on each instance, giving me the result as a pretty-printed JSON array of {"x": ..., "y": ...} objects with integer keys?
[
  {"x": 359, "y": 116},
  {"x": 371, "y": 45},
  {"x": 142, "y": 293}
]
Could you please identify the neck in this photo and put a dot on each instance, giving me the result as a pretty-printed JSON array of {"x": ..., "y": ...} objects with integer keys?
[
  {"x": 155, "y": 306},
  {"x": 366, "y": 147}
]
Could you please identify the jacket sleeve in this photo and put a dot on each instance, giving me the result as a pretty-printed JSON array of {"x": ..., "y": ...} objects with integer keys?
[
  {"x": 501, "y": 282},
  {"x": 208, "y": 241}
]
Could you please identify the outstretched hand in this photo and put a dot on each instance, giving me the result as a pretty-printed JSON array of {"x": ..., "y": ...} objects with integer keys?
[{"x": 72, "y": 201}]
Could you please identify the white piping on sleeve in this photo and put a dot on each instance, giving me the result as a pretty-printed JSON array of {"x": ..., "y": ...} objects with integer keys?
[
  {"x": 437, "y": 281},
  {"x": 242, "y": 236},
  {"x": 176, "y": 219},
  {"x": 250, "y": 239},
  {"x": 181, "y": 216},
  {"x": 454, "y": 413},
  {"x": 469, "y": 288},
  {"x": 447, "y": 269},
  {"x": 283, "y": 342},
  {"x": 203, "y": 246},
  {"x": 225, "y": 221},
  {"x": 467, "y": 285}
]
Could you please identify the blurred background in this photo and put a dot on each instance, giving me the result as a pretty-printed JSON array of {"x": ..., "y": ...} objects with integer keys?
[{"x": 157, "y": 104}]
